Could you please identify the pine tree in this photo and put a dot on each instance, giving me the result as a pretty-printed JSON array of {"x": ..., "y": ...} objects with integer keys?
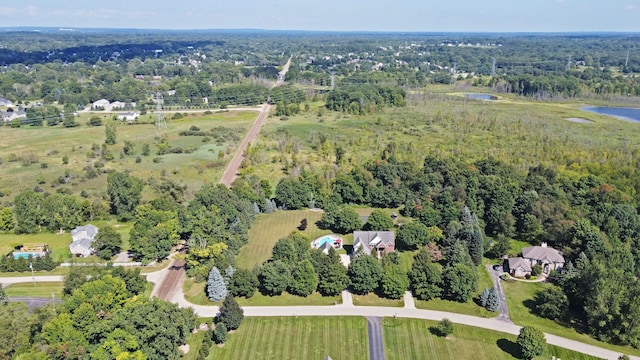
[
  {"x": 483, "y": 297},
  {"x": 220, "y": 333},
  {"x": 256, "y": 208},
  {"x": 493, "y": 300},
  {"x": 269, "y": 206},
  {"x": 216, "y": 287},
  {"x": 228, "y": 273},
  {"x": 230, "y": 313}
]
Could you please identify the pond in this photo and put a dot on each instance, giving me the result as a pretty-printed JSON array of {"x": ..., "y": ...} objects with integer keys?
[
  {"x": 631, "y": 114},
  {"x": 482, "y": 96}
]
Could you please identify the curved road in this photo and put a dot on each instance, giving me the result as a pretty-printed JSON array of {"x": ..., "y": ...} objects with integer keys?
[{"x": 169, "y": 286}]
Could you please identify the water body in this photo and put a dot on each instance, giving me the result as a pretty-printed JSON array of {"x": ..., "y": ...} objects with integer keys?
[
  {"x": 482, "y": 96},
  {"x": 631, "y": 114}
]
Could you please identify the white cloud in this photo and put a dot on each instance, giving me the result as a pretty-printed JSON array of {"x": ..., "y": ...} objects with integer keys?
[
  {"x": 630, "y": 7},
  {"x": 7, "y": 11}
]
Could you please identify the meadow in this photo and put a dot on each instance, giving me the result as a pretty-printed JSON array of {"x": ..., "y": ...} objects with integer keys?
[{"x": 33, "y": 156}]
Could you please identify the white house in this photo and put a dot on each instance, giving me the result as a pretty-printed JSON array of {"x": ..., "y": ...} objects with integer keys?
[
  {"x": 8, "y": 116},
  {"x": 82, "y": 240},
  {"x": 128, "y": 116}
]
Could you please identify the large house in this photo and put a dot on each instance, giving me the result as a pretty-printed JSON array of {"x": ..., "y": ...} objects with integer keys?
[
  {"x": 549, "y": 258},
  {"x": 8, "y": 116},
  {"x": 373, "y": 242},
  {"x": 82, "y": 240}
]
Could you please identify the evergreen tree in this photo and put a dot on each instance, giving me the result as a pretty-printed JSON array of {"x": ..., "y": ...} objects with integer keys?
[
  {"x": 243, "y": 283},
  {"x": 220, "y": 333},
  {"x": 332, "y": 275},
  {"x": 256, "y": 208},
  {"x": 216, "y": 287},
  {"x": 3, "y": 296},
  {"x": 228, "y": 273},
  {"x": 230, "y": 313},
  {"x": 493, "y": 300},
  {"x": 394, "y": 282},
  {"x": 483, "y": 297},
  {"x": 459, "y": 282},
  {"x": 531, "y": 341},
  {"x": 110, "y": 132}
]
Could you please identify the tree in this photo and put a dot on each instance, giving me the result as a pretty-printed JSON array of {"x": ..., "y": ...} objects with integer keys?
[
  {"x": 304, "y": 279},
  {"x": 445, "y": 327},
  {"x": 459, "y": 282},
  {"x": 216, "y": 288},
  {"x": 274, "y": 277},
  {"x": 95, "y": 121},
  {"x": 531, "y": 342},
  {"x": 220, "y": 333},
  {"x": 6, "y": 219},
  {"x": 124, "y": 192},
  {"x": 69, "y": 119},
  {"x": 231, "y": 314},
  {"x": 484, "y": 296},
  {"x": 3, "y": 296},
  {"x": 425, "y": 277},
  {"x": 110, "y": 132},
  {"x": 27, "y": 208},
  {"x": 501, "y": 246},
  {"x": 493, "y": 300},
  {"x": 347, "y": 221},
  {"x": 378, "y": 221},
  {"x": 108, "y": 242},
  {"x": 365, "y": 273},
  {"x": 243, "y": 283},
  {"x": 412, "y": 235},
  {"x": 332, "y": 275},
  {"x": 394, "y": 282},
  {"x": 536, "y": 270},
  {"x": 552, "y": 303},
  {"x": 292, "y": 193}
]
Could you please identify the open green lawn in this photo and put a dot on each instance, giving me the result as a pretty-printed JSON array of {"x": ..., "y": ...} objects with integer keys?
[
  {"x": 372, "y": 299},
  {"x": 58, "y": 243},
  {"x": 520, "y": 294},
  {"x": 42, "y": 289},
  {"x": 280, "y": 338},
  {"x": 268, "y": 228},
  {"x": 406, "y": 339},
  {"x": 48, "y": 145},
  {"x": 195, "y": 293}
]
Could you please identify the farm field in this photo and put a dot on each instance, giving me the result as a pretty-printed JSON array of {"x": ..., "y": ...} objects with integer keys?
[
  {"x": 28, "y": 153},
  {"x": 520, "y": 294},
  {"x": 296, "y": 338},
  {"x": 406, "y": 339}
]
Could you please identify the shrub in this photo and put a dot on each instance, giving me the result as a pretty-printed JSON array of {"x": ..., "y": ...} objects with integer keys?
[
  {"x": 445, "y": 327},
  {"x": 536, "y": 270},
  {"x": 220, "y": 333}
]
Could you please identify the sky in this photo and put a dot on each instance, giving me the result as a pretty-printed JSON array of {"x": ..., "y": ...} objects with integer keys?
[{"x": 331, "y": 15}]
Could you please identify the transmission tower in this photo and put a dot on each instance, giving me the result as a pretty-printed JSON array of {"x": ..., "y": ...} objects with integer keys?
[
  {"x": 626, "y": 62},
  {"x": 493, "y": 68},
  {"x": 160, "y": 123}
]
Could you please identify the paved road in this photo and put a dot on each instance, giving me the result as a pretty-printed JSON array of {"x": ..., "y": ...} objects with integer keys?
[
  {"x": 374, "y": 330},
  {"x": 503, "y": 314},
  {"x": 231, "y": 172},
  {"x": 34, "y": 302},
  {"x": 6, "y": 281},
  {"x": 170, "y": 281}
]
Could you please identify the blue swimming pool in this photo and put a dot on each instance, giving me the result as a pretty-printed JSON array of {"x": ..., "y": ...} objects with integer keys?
[{"x": 24, "y": 255}]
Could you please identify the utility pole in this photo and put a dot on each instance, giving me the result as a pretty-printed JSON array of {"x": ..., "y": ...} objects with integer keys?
[
  {"x": 160, "y": 122},
  {"x": 333, "y": 80},
  {"x": 453, "y": 73},
  {"x": 33, "y": 274},
  {"x": 626, "y": 62}
]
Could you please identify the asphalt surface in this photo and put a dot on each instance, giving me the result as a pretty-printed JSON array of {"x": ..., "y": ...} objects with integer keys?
[
  {"x": 34, "y": 302},
  {"x": 503, "y": 314},
  {"x": 171, "y": 281},
  {"x": 374, "y": 330}
]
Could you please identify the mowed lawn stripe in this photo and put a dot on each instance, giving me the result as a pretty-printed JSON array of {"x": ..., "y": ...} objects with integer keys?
[
  {"x": 412, "y": 339},
  {"x": 269, "y": 228},
  {"x": 296, "y": 338}
]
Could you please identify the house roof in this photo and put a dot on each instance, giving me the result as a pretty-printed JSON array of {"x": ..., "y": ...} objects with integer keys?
[
  {"x": 81, "y": 232},
  {"x": 81, "y": 246},
  {"x": 377, "y": 239},
  {"x": 542, "y": 253},
  {"x": 5, "y": 102},
  {"x": 518, "y": 262},
  {"x": 101, "y": 102}
]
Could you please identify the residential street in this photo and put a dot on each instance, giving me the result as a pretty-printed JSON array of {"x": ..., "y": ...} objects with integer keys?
[{"x": 374, "y": 331}]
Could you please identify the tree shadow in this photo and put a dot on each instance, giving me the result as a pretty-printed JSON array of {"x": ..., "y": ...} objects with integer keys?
[
  {"x": 509, "y": 347},
  {"x": 530, "y": 304},
  {"x": 348, "y": 249},
  {"x": 435, "y": 331}
]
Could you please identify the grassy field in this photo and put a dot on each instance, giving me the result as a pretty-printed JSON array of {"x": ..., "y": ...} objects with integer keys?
[
  {"x": 42, "y": 289},
  {"x": 406, "y": 339},
  {"x": 296, "y": 338},
  {"x": 520, "y": 294},
  {"x": 194, "y": 293},
  {"x": 48, "y": 145},
  {"x": 372, "y": 299},
  {"x": 268, "y": 228},
  {"x": 58, "y": 243}
]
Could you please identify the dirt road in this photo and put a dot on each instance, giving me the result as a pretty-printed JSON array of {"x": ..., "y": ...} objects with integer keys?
[
  {"x": 231, "y": 172},
  {"x": 171, "y": 281}
]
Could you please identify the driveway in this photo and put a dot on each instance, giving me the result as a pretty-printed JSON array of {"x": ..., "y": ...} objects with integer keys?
[
  {"x": 503, "y": 314},
  {"x": 376, "y": 346}
]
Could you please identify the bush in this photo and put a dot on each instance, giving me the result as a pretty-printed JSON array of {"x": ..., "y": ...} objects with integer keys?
[
  {"x": 531, "y": 342},
  {"x": 536, "y": 270},
  {"x": 445, "y": 327},
  {"x": 220, "y": 333}
]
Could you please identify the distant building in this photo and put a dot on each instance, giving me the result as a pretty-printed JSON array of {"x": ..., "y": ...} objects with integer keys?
[
  {"x": 373, "y": 242},
  {"x": 82, "y": 240},
  {"x": 5, "y": 102},
  {"x": 8, "y": 116},
  {"x": 128, "y": 116}
]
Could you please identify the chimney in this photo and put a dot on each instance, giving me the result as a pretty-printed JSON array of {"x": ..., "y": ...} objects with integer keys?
[{"x": 544, "y": 244}]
